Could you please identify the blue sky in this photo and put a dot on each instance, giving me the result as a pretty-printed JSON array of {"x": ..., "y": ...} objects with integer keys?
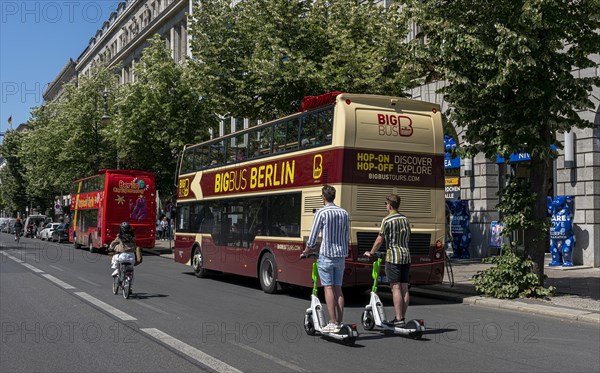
[{"x": 37, "y": 38}]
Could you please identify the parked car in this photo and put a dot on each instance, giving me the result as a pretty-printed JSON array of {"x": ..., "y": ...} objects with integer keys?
[
  {"x": 3, "y": 223},
  {"x": 46, "y": 233},
  {"x": 61, "y": 233},
  {"x": 9, "y": 228}
]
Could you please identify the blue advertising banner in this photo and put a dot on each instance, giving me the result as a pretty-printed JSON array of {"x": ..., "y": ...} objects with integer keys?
[
  {"x": 460, "y": 219},
  {"x": 496, "y": 237},
  {"x": 562, "y": 237}
]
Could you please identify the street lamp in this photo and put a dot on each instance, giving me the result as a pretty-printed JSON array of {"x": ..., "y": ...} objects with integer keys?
[{"x": 105, "y": 118}]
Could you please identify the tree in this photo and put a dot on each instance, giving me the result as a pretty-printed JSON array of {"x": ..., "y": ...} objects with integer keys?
[
  {"x": 158, "y": 114},
  {"x": 258, "y": 58},
  {"x": 508, "y": 66},
  {"x": 66, "y": 139},
  {"x": 11, "y": 176}
]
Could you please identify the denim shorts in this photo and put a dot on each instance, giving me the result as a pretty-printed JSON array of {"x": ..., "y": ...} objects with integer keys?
[{"x": 331, "y": 270}]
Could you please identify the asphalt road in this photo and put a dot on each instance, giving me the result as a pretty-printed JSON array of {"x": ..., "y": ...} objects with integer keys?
[{"x": 58, "y": 313}]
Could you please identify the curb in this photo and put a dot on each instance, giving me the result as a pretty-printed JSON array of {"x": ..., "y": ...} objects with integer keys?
[{"x": 536, "y": 309}]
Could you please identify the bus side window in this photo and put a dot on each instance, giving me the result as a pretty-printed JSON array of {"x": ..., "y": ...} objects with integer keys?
[
  {"x": 325, "y": 126},
  {"x": 279, "y": 136},
  {"x": 202, "y": 158}
]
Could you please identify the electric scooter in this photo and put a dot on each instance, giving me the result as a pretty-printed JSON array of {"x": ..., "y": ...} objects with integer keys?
[
  {"x": 374, "y": 314},
  {"x": 314, "y": 318}
]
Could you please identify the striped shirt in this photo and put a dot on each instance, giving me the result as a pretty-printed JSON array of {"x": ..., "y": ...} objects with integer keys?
[
  {"x": 334, "y": 224},
  {"x": 396, "y": 231}
]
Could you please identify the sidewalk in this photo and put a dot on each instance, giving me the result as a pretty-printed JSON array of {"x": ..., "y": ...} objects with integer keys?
[{"x": 577, "y": 289}]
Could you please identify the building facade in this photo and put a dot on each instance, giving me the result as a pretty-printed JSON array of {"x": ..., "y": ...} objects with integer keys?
[{"x": 576, "y": 174}]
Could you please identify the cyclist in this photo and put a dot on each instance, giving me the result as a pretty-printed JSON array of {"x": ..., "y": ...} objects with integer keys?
[
  {"x": 18, "y": 229},
  {"x": 124, "y": 245}
]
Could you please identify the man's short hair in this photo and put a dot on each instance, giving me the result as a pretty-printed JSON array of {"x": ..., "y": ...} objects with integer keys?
[
  {"x": 394, "y": 201},
  {"x": 328, "y": 193}
]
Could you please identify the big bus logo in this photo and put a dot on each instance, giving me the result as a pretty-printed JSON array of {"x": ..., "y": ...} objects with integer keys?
[
  {"x": 184, "y": 188},
  {"x": 394, "y": 125},
  {"x": 317, "y": 166}
]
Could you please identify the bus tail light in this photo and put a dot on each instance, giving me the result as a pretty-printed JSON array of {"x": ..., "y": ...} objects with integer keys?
[{"x": 438, "y": 249}]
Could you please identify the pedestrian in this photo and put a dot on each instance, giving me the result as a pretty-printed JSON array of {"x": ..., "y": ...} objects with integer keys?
[
  {"x": 164, "y": 224},
  {"x": 395, "y": 230},
  {"x": 159, "y": 230},
  {"x": 18, "y": 227},
  {"x": 333, "y": 223}
]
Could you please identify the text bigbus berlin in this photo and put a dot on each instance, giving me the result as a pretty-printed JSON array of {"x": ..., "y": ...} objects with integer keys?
[{"x": 246, "y": 201}]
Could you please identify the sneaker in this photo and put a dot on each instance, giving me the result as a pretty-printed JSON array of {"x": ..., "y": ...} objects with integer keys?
[
  {"x": 398, "y": 323},
  {"x": 115, "y": 273},
  {"x": 331, "y": 328}
]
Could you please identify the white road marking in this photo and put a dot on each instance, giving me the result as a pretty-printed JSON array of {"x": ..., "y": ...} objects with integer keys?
[
  {"x": 106, "y": 307},
  {"x": 58, "y": 282},
  {"x": 57, "y": 268},
  {"x": 190, "y": 351},
  {"x": 88, "y": 281},
  {"x": 14, "y": 258},
  {"x": 269, "y": 357},
  {"x": 34, "y": 269}
]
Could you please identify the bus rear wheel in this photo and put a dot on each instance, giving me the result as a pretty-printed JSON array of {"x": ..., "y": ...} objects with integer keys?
[
  {"x": 267, "y": 274},
  {"x": 197, "y": 263}
]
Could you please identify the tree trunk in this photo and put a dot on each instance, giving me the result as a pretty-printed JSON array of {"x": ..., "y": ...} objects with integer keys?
[{"x": 536, "y": 236}]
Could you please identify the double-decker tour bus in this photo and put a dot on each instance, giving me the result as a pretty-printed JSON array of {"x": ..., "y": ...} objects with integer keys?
[
  {"x": 100, "y": 203},
  {"x": 246, "y": 201}
]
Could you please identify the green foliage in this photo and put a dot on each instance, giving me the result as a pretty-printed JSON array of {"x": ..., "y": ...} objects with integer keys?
[
  {"x": 258, "y": 58},
  {"x": 509, "y": 83},
  {"x": 158, "y": 113},
  {"x": 12, "y": 192},
  {"x": 512, "y": 277},
  {"x": 517, "y": 205}
]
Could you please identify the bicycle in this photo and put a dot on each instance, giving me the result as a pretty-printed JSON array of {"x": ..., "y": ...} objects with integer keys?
[{"x": 123, "y": 279}]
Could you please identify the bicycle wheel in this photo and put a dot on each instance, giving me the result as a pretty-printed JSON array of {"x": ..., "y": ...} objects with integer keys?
[
  {"x": 126, "y": 288},
  {"x": 115, "y": 285}
]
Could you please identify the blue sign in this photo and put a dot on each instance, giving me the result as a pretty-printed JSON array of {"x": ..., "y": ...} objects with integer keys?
[
  {"x": 518, "y": 157},
  {"x": 450, "y": 162}
]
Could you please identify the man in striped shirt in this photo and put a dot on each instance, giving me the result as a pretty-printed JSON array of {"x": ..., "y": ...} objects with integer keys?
[
  {"x": 395, "y": 229},
  {"x": 333, "y": 223}
]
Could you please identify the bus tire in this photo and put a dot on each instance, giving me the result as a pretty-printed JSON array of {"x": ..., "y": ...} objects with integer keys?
[
  {"x": 76, "y": 245},
  {"x": 92, "y": 248},
  {"x": 267, "y": 274},
  {"x": 197, "y": 261}
]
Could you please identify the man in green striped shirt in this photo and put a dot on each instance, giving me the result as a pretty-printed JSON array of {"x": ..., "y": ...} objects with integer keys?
[{"x": 395, "y": 229}]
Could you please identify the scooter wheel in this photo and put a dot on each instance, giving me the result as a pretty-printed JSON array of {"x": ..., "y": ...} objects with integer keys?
[
  {"x": 347, "y": 331},
  {"x": 414, "y": 325},
  {"x": 368, "y": 322},
  {"x": 309, "y": 327}
]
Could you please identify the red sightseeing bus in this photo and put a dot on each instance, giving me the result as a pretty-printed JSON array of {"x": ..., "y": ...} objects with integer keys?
[
  {"x": 246, "y": 201},
  {"x": 100, "y": 203}
]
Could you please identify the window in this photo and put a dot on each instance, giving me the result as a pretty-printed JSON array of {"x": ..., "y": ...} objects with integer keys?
[{"x": 236, "y": 222}]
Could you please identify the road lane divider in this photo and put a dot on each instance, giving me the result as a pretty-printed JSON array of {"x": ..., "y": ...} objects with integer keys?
[
  {"x": 105, "y": 306},
  {"x": 202, "y": 357},
  {"x": 272, "y": 358},
  {"x": 58, "y": 282},
  {"x": 34, "y": 269}
]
